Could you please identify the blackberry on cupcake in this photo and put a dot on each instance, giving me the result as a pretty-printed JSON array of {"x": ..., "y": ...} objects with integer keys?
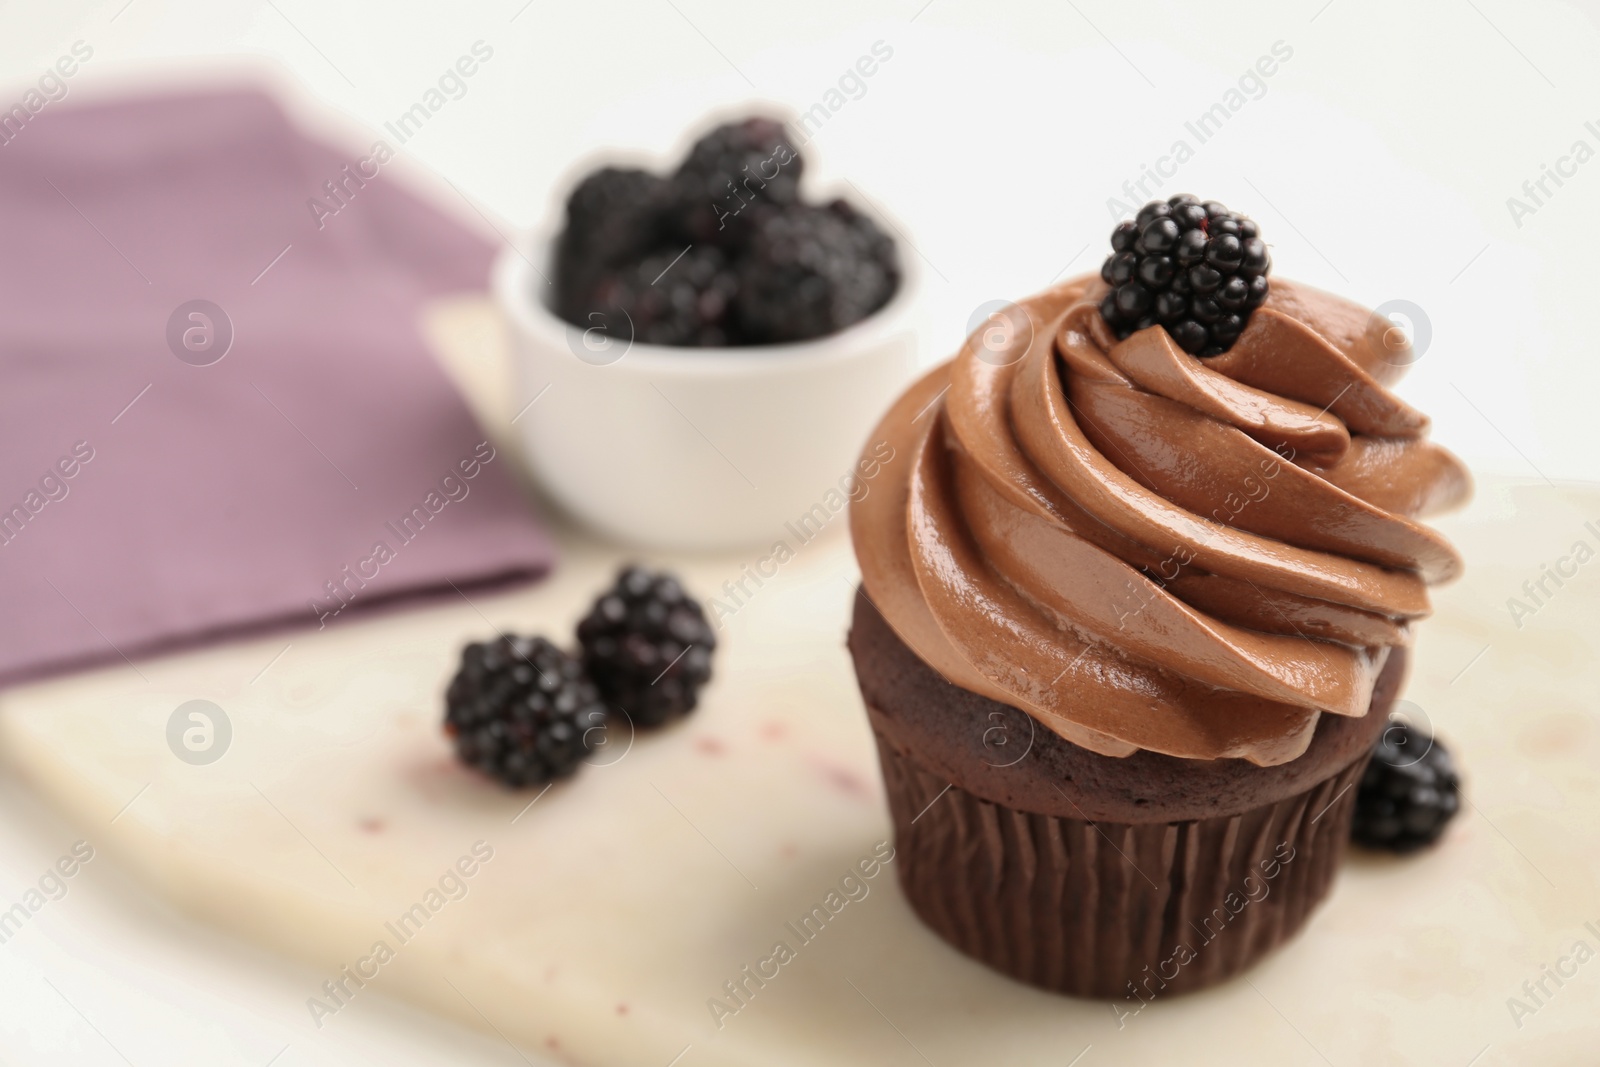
[{"x": 1196, "y": 269}]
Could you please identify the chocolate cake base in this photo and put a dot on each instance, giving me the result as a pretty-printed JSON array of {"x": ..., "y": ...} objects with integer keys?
[{"x": 1124, "y": 878}]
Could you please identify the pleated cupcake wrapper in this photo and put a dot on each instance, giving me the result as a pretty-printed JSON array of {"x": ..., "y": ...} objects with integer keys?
[{"x": 1118, "y": 911}]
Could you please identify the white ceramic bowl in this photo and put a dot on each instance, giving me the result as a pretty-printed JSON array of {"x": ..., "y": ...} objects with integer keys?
[{"x": 693, "y": 448}]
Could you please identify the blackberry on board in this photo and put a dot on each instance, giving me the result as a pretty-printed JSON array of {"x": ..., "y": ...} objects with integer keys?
[
  {"x": 1196, "y": 269},
  {"x": 812, "y": 271},
  {"x": 522, "y": 711},
  {"x": 1409, "y": 792},
  {"x": 647, "y": 646}
]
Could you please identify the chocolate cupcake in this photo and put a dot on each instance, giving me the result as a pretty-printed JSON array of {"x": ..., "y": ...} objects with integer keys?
[{"x": 1136, "y": 595}]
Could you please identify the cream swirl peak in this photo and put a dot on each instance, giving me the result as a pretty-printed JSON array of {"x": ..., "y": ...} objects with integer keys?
[{"x": 1145, "y": 550}]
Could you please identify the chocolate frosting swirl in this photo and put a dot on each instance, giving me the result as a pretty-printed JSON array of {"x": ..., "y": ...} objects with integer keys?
[{"x": 1145, "y": 550}]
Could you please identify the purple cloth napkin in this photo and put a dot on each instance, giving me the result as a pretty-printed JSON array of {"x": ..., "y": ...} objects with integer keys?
[{"x": 322, "y": 466}]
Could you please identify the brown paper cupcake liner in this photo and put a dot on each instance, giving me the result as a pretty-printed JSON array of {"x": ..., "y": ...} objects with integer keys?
[{"x": 1113, "y": 910}]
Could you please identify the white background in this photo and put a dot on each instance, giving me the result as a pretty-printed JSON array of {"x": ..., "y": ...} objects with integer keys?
[{"x": 1378, "y": 161}]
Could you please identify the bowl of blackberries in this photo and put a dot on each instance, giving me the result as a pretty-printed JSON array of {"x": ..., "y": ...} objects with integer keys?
[{"x": 703, "y": 343}]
